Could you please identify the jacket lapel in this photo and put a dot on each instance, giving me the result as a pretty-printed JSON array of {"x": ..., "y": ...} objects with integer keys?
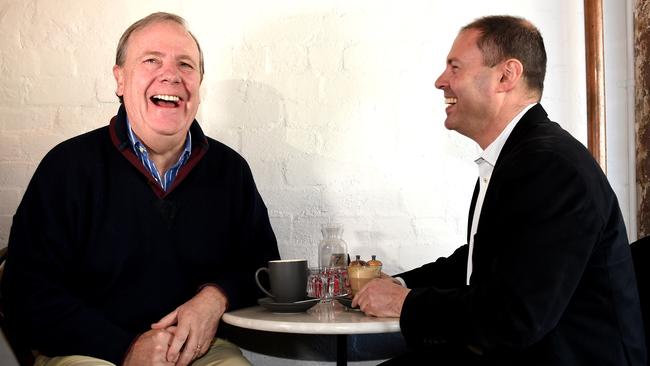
[
  {"x": 472, "y": 206},
  {"x": 528, "y": 121}
]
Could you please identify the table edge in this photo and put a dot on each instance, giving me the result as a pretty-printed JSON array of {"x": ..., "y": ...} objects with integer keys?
[{"x": 307, "y": 328}]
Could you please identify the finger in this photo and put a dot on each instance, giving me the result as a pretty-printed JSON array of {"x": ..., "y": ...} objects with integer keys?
[
  {"x": 167, "y": 321},
  {"x": 204, "y": 348},
  {"x": 356, "y": 300},
  {"x": 180, "y": 339},
  {"x": 364, "y": 308},
  {"x": 190, "y": 353}
]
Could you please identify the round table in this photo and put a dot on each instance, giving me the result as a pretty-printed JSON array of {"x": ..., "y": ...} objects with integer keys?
[{"x": 324, "y": 318}]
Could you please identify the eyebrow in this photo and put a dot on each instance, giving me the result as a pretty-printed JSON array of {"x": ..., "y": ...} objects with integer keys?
[
  {"x": 183, "y": 57},
  {"x": 452, "y": 59}
]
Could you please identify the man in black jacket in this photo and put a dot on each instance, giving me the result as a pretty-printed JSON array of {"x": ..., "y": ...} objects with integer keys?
[
  {"x": 546, "y": 277},
  {"x": 132, "y": 240}
]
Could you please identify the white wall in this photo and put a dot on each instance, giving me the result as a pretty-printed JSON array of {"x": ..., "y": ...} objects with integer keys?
[
  {"x": 331, "y": 102},
  {"x": 619, "y": 99}
]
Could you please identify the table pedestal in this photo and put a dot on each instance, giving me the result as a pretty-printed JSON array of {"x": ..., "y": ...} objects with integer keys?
[{"x": 341, "y": 350}]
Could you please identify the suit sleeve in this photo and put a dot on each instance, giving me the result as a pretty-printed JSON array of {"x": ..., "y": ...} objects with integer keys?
[
  {"x": 445, "y": 272},
  {"x": 535, "y": 238},
  {"x": 43, "y": 306}
]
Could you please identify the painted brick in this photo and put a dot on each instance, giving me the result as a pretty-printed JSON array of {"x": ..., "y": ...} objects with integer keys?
[
  {"x": 12, "y": 90},
  {"x": 268, "y": 59},
  {"x": 74, "y": 120},
  {"x": 295, "y": 201},
  {"x": 16, "y": 175},
  {"x": 348, "y": 201},
  {"x": 318, "y": 170},
  {"x": 248, "y": 104},
  {"x": 56, "y": 91},
  {"x": 38, "y": 143},
  {"x": 230, "y": 137},
  {"x": 268, "y": 175},
  {"x": 105, "y": 87},
  {"x": 22, "y": 62},
  {"x": 297, "y": 88},
  {"x": 274, "y": 144},
  {"x": 5, "y": 229},
  {"x": 326, "y": 58},
  {"x": 9, "y": 200},
  {"x": 282, "y": 229},
  {"x": 440, "y": 231},
  {"x": 10, "y": 147},
  {"x": 26, "y": 118}
]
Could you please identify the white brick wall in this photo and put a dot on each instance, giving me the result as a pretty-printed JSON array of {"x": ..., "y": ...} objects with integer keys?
[{"x": 331, "y": 102}]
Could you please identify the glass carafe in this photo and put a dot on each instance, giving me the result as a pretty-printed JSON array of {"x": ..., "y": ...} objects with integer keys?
[
  {"x": 333, "y": 263},
  {"x": 332, "y": 250}
]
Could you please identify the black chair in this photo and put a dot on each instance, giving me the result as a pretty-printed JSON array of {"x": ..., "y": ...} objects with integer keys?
[
  {"x": 8, "y": 343},
  {"x": 641, "y": 258}
]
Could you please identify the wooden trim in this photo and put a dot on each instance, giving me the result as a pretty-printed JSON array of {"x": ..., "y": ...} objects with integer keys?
[{"x": 596, "y": 133}]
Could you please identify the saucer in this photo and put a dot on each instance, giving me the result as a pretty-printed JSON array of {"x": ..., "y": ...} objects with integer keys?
[
  {"x": 287, "y": 307},
  {"x": 347, "y": 302}
]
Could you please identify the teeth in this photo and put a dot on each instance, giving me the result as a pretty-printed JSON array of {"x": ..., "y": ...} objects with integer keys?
[
  {"x": 168, "y": 98},
  {"x": 451, "y": 100}
]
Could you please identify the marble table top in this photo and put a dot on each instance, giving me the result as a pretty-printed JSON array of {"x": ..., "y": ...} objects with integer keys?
[{"x": 323, "y": 318}]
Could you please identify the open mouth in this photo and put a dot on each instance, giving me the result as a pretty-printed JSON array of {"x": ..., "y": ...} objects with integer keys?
[
  {"x": 450, "y": 101},
  {"x": 164, "y": 100}
]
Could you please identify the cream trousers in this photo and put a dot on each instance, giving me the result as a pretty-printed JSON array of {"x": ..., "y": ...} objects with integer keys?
[{"x": 221, "y": 353}]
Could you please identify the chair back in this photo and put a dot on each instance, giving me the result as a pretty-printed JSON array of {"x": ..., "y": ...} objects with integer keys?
[{"x": 641, "y": 258}]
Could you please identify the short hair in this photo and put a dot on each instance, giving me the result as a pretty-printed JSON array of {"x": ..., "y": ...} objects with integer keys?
[
  {"x": 504, "y": 37},
  {"x": 159, "y": 17}
]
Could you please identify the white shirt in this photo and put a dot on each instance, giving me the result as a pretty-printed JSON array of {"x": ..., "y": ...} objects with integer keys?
[{"x": 486, "y": 162}]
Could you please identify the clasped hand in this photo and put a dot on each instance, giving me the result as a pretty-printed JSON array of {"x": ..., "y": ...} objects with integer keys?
[{"x": 183, "y": 335}]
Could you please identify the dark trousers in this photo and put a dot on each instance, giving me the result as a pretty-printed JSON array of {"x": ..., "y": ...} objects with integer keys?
[{"x": 438, "y": 356}]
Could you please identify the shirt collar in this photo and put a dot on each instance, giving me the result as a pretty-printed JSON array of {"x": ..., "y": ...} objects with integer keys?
[
  {"x": 491, "y": 153},
  {"x": 139, "y": 148}
]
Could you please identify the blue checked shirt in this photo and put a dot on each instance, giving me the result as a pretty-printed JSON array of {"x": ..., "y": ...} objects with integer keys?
[{"x": 142, "y": 154}]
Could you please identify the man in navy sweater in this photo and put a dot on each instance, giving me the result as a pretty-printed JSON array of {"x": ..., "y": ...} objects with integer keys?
[{"x": 132, "y": 240}]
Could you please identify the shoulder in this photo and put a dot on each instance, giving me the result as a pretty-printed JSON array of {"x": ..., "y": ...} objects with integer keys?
[
  {"x": 222, "y": 159},
  {"x": 538, "y": 140},
  {"x": 544, "y": 157},
  {"x": 76, "y": 150},
  {"x": 218, "y": 151}
]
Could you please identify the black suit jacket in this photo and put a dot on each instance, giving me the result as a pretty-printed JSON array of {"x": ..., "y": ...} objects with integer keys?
[{"x": 552, "y": 281}]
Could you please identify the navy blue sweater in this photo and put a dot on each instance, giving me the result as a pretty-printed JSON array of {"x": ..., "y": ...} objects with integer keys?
[{"x": 98, "y": 252}]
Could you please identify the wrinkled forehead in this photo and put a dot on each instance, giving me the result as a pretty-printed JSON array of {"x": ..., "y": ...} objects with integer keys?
[
  {"x": 465, "y": 46},
  {"x": 167, "y": 34}
]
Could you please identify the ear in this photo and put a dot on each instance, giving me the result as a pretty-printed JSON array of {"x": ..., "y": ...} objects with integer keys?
[
  {"x": 512, "y": 72},
  {"x": 118, "y": 73}
]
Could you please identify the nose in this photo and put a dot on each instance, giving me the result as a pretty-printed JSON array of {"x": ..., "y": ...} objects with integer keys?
[
  {"x": 170, "y": 73},
  {"x": 442, "y": 81}
]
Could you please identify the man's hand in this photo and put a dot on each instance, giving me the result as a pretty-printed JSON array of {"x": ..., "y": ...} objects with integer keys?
[
  {"x": 193, "y": 325},
  {"x": 381, "y": 297},
  {"x": 150, "y": 349}
]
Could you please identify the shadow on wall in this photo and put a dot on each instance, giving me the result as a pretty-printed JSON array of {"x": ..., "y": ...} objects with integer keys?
[
  {"x": 250, "y": 117},
  {"x": 298, "y": 122}
]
